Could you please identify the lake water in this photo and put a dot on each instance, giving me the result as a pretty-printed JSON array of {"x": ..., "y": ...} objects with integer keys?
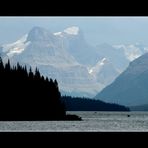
[{"x": 92, "y": 121}]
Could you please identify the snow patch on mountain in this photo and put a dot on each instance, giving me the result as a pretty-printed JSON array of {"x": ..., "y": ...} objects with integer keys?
[
  {"x": 72, "y": 30},
  {"x": 131, "y": 51},
  {"x": 96, "y": 69},
  {"x": 103, "y": 61},
  {"x": 58, "y": 34},
  {"x": 16, "y": 47},
  {"x": 104, "y": 72}
]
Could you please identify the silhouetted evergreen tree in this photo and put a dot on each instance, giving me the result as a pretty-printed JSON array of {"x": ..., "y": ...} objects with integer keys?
[
  {"x": 37, "y": 74},
  {"x": 1, "y": 65},
  {"x": 7, "y": 66},
  {"x": 29, "y": 96},
  {"x": 30, "y": 74}
]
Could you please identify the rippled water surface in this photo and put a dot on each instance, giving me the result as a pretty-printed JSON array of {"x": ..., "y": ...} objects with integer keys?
[{"x": 92, "y": 121}]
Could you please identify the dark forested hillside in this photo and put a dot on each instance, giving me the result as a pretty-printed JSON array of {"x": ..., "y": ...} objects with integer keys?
[
  {"x": 86, "y": 104},
  {"x": 28, "y": 95}
]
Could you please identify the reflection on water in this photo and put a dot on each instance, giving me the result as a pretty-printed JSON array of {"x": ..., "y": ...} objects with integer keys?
[{"x": 92, "y": 121}]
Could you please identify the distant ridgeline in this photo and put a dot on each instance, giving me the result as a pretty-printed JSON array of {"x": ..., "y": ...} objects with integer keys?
[
  {"x": 28, "y": 96},
  {"x": 86, "y": 104}
]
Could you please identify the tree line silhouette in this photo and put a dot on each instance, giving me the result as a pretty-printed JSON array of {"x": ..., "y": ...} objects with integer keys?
[
  {"x": 87, "y": 104},
  {"x": 29, "y": 95}
]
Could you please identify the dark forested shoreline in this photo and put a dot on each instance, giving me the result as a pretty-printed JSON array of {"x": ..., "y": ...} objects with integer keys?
[
  {"x": 87, "y": 104},
  {"x": 29, "y": 96}
]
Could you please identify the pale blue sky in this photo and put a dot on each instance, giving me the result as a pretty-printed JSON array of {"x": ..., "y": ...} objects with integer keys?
[{"x": 97, "y": 30}]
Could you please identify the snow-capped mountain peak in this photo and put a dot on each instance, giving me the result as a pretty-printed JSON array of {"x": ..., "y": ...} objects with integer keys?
[
  {"x": 72, "y": 30},
  {"x": 66, "y": 56},
  {"x": 16, "y": 47}
]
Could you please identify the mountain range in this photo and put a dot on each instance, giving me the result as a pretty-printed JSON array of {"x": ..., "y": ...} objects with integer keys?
[
  {"x": 131, "y": 87},
  {"x": 80, "y": 68}
]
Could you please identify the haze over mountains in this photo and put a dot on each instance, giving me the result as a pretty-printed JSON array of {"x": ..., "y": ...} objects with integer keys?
[
  {"x": 131, "y": 87},
  {"x": 80, "y": 69}
]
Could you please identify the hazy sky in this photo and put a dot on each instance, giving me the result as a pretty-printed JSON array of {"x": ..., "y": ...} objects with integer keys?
[{"x": 97, "y": 30}]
